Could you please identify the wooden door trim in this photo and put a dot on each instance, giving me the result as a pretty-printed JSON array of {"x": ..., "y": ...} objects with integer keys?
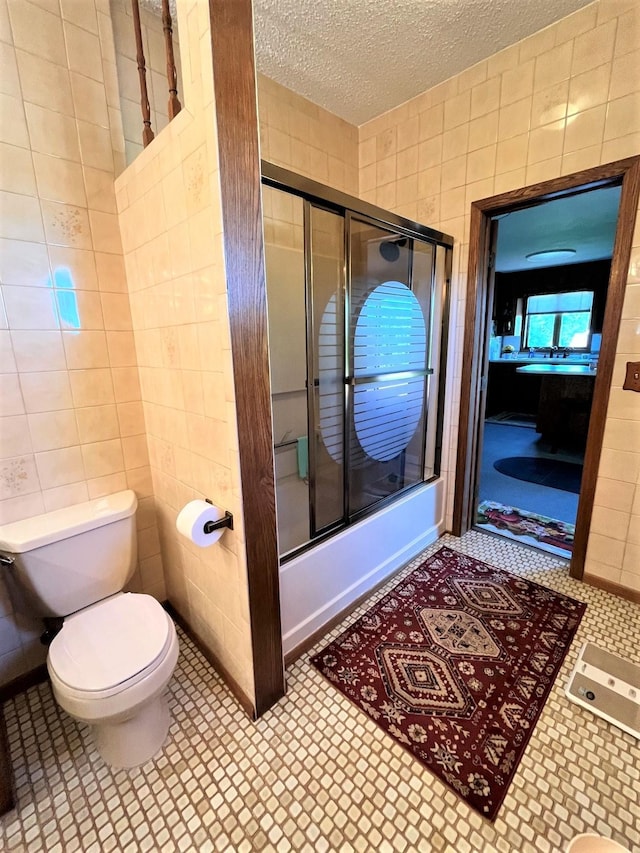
[
  {"x": 240, "y": 188},
  {"x": 628, "y": 173}
]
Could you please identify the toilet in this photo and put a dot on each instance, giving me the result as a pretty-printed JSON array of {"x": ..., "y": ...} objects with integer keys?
[{"x": 111, "y": 661}]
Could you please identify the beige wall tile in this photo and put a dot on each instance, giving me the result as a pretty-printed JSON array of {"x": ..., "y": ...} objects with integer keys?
[
  {"x": 105, "y": 232},
  {"x": 66, "y": 225},
  {"x": 10, "y": 82},
  {"x": 99, "y": 190},
  {"x": 52, "y": 133},
  {"x": 59, "y": 180},
  {"x": 97, "y": 423},
  {"x": 45, "y": 83},
  {"x": 16, "y": 170},
  {"x": 131, "y": 422},
  {"x": 111, "y": 273},
  {"x": 38, "y": 350},
  {"x": 89, "y": 99},
  {"x": 553, "y": 66},
  {"x": 135, "y": 450},
  {"x": 517, "y": 83},
  {"x": 85, "y": 349},
  {"x": 37, "y": 31},
  {"x": 15, "y": 439},
  {"x": 83, "y": 51},
  {"x": 64, "y": 496},
  {"x": 46, "y": 392},
  {"x": 91, "y": 387},
  {"x": 631, "y": 563},
  {"x": 126, "y": 384},
  {"x": 87, "y": 310},
  {"x": 102, "y": 458},
  {"x": 606, "y": 550},
  {"x": 623, "y": 116},
  {"x": 100, "y": 486},
  {"x": 116, "y": 311},
  {"x": 73, "y": 268},
  {"x": 634, "y": 530},
  {"x": 30, "y": 307},
  {"x": 13, "y": 127},
  {"x": 95, "y": 145},
  {"x": 18, "y": 477},
  {"x": 584, "y": 129},
  {"x": 7, "y": 361},
  {"x": 59, "y": 467},
  {"x": 24, "y": 263},
  {"x": 593, "y": 48},
  {"x": 20, "y": 217},
  {"x": 53, "y": 430},
  {"x": 610, "y": 522},
  {"x": 589, "y": 89},
  {"x": 600, "y": 570}
]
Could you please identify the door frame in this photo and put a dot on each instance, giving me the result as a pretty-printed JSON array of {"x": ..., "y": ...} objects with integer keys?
[{"x": 627, "y": 174}]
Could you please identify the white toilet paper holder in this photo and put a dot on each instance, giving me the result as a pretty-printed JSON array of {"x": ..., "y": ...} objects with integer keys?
[{"x": 227, "y": 521}]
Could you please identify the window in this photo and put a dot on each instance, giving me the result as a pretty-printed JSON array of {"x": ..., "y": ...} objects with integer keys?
[{"x": 559, "y": 320}]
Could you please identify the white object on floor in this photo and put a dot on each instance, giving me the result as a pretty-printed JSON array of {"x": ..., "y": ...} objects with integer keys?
[
  {"x": 589, "y": 843},
  {"x": 607, "y": 685},
  {"x": 115, "y": 653}
]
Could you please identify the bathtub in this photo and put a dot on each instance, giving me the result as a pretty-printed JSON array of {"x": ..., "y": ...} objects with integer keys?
[{"x": 321, "y": 583}]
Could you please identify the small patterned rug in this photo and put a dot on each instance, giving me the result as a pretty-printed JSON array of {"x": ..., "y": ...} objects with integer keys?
[
  {"x": 528, "y": 527},
  {"x": 456, "y": 663}
]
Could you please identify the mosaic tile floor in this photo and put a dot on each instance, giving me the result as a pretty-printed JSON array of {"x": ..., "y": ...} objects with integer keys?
[{"x": 315, "y": 774}]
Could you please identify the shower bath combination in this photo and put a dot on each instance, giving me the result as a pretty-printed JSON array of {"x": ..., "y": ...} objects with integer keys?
[{"x": 358, "y": 312}]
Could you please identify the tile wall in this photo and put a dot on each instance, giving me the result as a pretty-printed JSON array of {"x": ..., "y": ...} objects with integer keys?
[
  {"x": 169, "y": 206},
  {"x": 305, "y": 138},
  {"x": 562, "y": 100},
  {"x": 72, "y": 425},
  {"x": 153, "y": 43}
]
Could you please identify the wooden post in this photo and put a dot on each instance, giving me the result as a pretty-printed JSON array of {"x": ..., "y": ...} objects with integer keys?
[
  {"x": 174, "y": 106},
  {"x": 147, "y": 133}
]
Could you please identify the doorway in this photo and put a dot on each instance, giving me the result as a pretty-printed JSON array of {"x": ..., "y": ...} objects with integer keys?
[
  {"x": 548, "y": 286},
  {"x": 624, "y": 174}
]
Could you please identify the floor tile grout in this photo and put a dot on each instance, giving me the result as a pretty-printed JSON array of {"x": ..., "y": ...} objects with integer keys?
[{"x": 315, "y": 773}]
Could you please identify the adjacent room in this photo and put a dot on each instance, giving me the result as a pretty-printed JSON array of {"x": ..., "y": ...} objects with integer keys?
[{"x": 550, "y": 283}]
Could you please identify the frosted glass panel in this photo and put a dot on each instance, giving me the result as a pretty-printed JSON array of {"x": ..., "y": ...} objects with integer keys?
[{"x": 388, "y": 344}]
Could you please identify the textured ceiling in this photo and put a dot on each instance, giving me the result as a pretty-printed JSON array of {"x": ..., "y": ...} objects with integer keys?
[
  {"x": 360, "y": 58},
  {"x": 585, "y": 222}
]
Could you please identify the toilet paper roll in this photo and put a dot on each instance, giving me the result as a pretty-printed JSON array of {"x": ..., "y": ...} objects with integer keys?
[{"x": 192, "y": 519}]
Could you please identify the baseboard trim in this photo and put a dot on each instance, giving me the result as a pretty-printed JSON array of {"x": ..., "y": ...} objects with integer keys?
[
  {"x": 247, "y": 705},
  {"x": 614, "y": 588},
  {"x": 7, "y": 782},
  {"x": 23, "y": 682}
]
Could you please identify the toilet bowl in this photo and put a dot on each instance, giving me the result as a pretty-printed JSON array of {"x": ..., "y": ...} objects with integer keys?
[
  {"x": 109, "y": 667},
  {"x": 112, "y": 660},
  {"x": 589, "y": 843}
]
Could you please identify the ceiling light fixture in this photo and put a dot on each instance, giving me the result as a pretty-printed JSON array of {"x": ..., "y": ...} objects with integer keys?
[{"x": 551, "y": 255}]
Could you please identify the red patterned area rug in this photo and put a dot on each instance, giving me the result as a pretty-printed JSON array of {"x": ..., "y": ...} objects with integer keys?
[{"x": 456, "y": 663}]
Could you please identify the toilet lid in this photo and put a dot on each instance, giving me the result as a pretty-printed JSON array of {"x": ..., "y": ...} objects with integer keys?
[{"x": 110, "y": 643}]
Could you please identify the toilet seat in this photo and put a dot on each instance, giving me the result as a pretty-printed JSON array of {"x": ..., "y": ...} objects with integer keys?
[{"x": 110, "y": 646}]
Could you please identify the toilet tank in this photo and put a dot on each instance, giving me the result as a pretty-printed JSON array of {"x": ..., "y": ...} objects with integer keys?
[{"x": 65, "y": 560}]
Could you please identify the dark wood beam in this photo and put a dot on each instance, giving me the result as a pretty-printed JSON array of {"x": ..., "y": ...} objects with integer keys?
[{"x": 237, "y": 120}]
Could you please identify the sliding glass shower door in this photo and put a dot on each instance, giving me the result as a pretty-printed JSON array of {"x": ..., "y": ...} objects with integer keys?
[
  {"x": 388, "y": 322},
  {"x": 374, "y": 320}
]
